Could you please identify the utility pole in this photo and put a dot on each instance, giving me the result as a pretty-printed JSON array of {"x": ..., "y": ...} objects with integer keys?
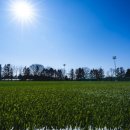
[{"x": 114, "y": 59}]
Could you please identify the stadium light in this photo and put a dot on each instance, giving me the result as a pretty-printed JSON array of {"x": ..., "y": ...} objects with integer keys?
[
  {"x": 64, "y": 69},
  {"x": 114, "y": 59}
]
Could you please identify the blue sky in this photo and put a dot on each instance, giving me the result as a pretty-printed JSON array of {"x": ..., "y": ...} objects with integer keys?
[{"x": 80, "y": 33}]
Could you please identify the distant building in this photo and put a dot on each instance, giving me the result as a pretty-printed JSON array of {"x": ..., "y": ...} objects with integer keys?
[{"x": 0, "y": 71}]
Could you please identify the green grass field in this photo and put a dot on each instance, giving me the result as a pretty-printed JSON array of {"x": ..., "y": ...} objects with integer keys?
[{"x": 60, "y": 104}]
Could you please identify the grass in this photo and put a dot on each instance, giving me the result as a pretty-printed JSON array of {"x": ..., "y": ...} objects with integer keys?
[{"x": 60, "y": 104}]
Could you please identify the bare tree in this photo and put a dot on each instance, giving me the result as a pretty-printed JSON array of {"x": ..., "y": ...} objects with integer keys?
[
  {"x": 127, "y": 75},
  {"x": 80, "y": 74},
  {"x": 112, "y": 72},
  {"x": 26, "y": 73},
  {"x": 120, "y": 73},
  {"x": 72, "y": 74},
  {"x": 0, "y": 71},
  {"x": 101, "y": 74},
  {"x": 7, "y": 72},
  {"x": 15, "y": 71},
  {"x": 36, "y": 69},
  {"x": 86, "y": 72}
]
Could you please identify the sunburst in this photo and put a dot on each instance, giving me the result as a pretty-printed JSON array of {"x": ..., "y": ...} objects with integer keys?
[{"x": 23, "y": 11}]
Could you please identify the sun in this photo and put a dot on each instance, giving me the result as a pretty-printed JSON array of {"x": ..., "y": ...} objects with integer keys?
[{"x": 23, "y": 11}]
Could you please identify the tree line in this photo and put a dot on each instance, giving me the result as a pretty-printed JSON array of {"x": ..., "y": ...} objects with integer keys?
[{"x": 38, "y": 72}]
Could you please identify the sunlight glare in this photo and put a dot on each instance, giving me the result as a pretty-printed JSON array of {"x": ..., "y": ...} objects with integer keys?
[{"x": 23, "y": 11}]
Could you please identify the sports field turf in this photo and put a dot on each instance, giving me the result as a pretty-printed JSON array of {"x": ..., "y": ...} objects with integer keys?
[{"x": 29, "y": 105}]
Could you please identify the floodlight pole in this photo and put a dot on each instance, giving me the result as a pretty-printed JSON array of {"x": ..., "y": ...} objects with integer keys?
[
  {"x": 114, "y": 59},
  {"x": 64, "y": 69}
]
